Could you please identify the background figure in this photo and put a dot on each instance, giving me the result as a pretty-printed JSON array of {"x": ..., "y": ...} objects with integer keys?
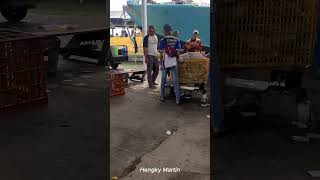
[
  {"x": 194, "y": 44},
  {"x": 176, "y": 34},
  {"x": 150, "y": 49}
]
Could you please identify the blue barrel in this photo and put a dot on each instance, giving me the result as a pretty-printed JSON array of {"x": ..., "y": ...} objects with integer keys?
[
  {"x": 122, "y": 51},
  {"x": 126, "y": 51}
]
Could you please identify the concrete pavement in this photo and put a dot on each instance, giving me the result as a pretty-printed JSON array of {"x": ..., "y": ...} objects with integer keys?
[
  {"x": 64, "y": 139},
  {"x": 139, "y": 122}
]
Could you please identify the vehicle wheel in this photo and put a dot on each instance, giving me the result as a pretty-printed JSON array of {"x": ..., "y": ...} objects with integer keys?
[
  {"x": 105, "y": 55},
  {"x": 14, "y": 14},
  {"x": 66, "y": 56}
]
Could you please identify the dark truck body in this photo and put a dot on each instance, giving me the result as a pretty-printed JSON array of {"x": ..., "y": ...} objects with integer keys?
[
  {"x": 16, "y": 10},
  {"x": 26, "y": 3}
]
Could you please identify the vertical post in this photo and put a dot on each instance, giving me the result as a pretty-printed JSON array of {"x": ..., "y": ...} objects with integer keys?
[
  {"x": 216, "y": 108},
  {"x": 107, "y": 10},
  {"x": 316, "y": 62},
  {"x": 144, "y": 19}
]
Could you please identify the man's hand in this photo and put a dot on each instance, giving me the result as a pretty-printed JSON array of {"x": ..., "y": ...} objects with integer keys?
[
  {"x": 161, "y": 68},
  {"x": 145, "y": 52},
  {"x": 194, "y": 44},
  {"x": 146, "y": 59}
]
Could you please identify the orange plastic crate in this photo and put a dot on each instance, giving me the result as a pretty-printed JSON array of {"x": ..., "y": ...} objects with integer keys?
[{"x": 117, "y": 84}]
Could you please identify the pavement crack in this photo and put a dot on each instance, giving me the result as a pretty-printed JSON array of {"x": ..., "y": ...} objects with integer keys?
[
  {"x": 132, "y": 167},
  {"x": 195, "y": 173},
  {"x": 83, "y": 87}
]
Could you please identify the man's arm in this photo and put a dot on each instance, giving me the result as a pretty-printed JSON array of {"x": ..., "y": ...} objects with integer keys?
[
  {"x": 199, "y": 45},
  {"x": 145, "y": 48},
  {"x": 161, "y": 50},
  {"x": 188, "y": 45},
  {"x": 178, "y": 45}
]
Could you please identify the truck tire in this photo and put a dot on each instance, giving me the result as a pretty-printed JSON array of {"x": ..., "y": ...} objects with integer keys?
[
  {"x": 14, "y": 14},
  {"x": 105, "y": 54}
]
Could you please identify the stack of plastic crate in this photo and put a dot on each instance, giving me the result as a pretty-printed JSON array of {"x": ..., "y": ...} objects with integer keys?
[
  {"x": 22, "y": 72},
  {"x": 117, "y": 83},
  {"x": 265, "y": 33}
]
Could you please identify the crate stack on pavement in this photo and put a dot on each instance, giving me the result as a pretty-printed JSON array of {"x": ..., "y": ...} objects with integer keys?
[
  {"x": 117, "y": 82},
  {"x": 265, "y": 33},
  {"x": 22, "y": 69}
]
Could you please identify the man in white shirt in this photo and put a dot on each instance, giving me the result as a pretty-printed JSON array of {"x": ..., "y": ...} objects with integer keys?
[{"x": 150, "y": 49}]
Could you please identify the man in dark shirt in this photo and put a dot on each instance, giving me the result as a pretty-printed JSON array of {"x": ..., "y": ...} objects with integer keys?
[{"x": 169, "y": 61}]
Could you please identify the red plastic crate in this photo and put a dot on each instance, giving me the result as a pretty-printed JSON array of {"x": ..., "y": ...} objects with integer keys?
[
  {"x": 117, "y": 84},
  {"x": 22, "y": 72}
]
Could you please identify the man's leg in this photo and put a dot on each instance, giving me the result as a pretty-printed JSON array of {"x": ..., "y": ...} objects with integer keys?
[
  {"x": 174, "y": 72},
  {"x": 163, "y": 81},
  {"x": 155, "y": 69},
  {"x": 149, "y": 72}
]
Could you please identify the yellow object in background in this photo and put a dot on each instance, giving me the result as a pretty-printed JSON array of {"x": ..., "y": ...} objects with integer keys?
[{"x": 118, "y": 41}]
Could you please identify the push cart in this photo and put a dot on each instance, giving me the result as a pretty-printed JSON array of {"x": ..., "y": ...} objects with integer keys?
[{"x": 193, "y": 70}]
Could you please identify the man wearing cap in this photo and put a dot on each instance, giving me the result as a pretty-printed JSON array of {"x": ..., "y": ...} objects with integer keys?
[
  {"x": 194, "y": 44},
  {"x": 169, "y": 47},
  {"x": 150, "y": 49}
]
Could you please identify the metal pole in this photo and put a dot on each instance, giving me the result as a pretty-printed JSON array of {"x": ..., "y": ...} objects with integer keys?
[
  {"x": 216, "y": 108},
  {"x": 108, "y": 11},
  {"x": 144, "y": 18}
]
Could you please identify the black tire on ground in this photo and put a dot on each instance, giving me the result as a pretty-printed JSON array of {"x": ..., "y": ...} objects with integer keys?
[
  {"x": 105, "y": 54},
  {"x": 66, "y": 56},
  {"x": 14, "y": 14}
]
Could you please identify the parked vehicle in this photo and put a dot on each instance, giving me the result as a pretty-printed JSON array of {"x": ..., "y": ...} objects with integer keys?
[{"x": 117, "y": 55}]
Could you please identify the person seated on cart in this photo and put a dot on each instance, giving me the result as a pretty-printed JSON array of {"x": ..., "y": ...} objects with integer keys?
[
  {"x": 169, "y": 47},
  {"x": 194, "y": 44}
]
